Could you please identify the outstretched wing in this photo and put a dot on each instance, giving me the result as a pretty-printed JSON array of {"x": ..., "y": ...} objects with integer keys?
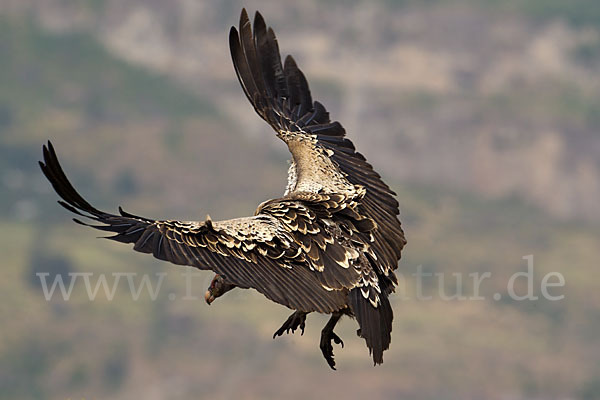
[
  {"x": 324, "y": 160},
  {"x": 253, "y": 252}
]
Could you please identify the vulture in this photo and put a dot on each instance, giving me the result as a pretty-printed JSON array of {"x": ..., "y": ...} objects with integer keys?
[{"x": 329, "y": 245}]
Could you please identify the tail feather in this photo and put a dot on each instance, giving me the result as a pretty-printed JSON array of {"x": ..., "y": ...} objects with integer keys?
[{"x": 375, "y": 323}]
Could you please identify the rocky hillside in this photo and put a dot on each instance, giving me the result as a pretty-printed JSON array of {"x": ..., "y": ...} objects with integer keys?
[
  {"x": 481, "y": 117},
  {"x": 501, "y": 101}
]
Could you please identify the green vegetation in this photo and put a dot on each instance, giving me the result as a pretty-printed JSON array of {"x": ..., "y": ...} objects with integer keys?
[
  {"x": 42, "y": 73},
  {"x": 558, "y": 101},
  {"x": 69, "y": 87},
  {"x": 68, "y": 84},
  {"x": 468, "y": 234},
  {"x": 576, "y": 12}
]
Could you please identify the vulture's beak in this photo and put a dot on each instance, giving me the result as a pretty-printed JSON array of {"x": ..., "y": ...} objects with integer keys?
[
  {"x": 209, "y": 297},
  {"x": 218, "y": 287}
]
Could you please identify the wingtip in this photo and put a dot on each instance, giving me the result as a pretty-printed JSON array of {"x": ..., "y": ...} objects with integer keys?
[
  {"x": 290, "y": 62},
  {"x": 124, "y": 213},
  {"x": 80, "y": 222},
  {"x": 45, "y": 153},
  {"x": 49, "y": 153},
  {"x": 258, "y": 18},
  {"x": 244, "y": 18},
  {"x": 51, "y": 148}
]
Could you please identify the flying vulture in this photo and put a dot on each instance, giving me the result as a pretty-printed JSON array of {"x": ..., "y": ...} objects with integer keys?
[{"x": 329, "y": 245}]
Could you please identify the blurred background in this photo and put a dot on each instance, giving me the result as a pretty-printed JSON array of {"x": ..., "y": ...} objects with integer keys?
[{"x": 483, "y": 116}]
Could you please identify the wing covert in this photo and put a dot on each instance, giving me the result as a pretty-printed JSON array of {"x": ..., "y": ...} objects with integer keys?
[
  {"x": 251, "y": 252},
  {"x": 323, "y": 159}
]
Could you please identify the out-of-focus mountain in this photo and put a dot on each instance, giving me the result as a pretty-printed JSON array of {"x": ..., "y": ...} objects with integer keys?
[
  {"x": 466, "y": 108},
  {"x": 498, "y": 100}
]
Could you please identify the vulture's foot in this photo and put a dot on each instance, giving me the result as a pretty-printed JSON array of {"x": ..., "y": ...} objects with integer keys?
[
  {"x": 295, "y": 321},
  {"x": 327, "y": 335},
  {"x": 218, "y": 287}
]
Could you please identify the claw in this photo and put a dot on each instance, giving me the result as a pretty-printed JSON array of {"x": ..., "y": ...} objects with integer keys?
[
  {"x": 337, "y": 339},
  {"x": 327, "y": 348},
  {"x": 294, "y": 321},
  {"x": 327, "y": 335}
]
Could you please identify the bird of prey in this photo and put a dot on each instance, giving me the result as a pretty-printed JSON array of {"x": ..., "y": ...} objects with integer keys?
[{"x": 330, "y": 244}]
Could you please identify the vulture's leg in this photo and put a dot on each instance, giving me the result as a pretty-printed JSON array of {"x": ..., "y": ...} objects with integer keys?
[
  {"x": 218, "y": 287},
  {"x": 327, "y": 335},
  {"x": 295, "y": 321}
]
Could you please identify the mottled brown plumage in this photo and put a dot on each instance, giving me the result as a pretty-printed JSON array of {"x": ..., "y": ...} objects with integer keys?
[{"x": 329, "y": 245}]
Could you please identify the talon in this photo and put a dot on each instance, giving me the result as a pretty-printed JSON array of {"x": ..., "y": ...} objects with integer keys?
[
  {"x": 327, "y": 336},
  {"x": 327, "y": 348},
  {"x": 337, "y": 339},
  {"x": 297, "y": 319}
]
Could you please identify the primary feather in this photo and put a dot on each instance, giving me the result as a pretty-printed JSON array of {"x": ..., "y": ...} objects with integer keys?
[{"x": 330, "y": 244}]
